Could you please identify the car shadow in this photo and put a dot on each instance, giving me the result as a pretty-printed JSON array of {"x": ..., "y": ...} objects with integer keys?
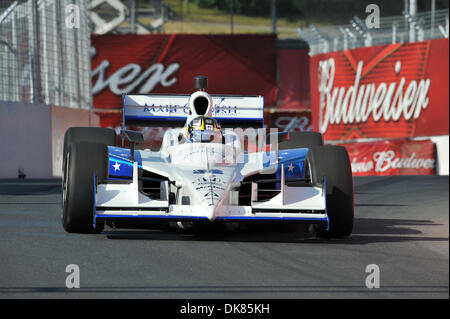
[{"x": 365, "y": 231}]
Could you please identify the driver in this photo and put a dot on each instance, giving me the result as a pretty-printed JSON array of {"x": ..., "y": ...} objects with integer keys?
[{"x": 204, "y": 130}]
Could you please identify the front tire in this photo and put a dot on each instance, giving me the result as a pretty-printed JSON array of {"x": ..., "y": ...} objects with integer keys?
[
  {"x": 105, "y": 136},
  {"x": 333, "y": 163},
  {"x": 83, "y": 160}
]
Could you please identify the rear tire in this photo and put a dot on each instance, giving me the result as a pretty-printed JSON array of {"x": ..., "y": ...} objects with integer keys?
[
  {"x": 302, "y": 140},
  {"x": 82, "y": 161},
  {"x": 333, "y": 162}
]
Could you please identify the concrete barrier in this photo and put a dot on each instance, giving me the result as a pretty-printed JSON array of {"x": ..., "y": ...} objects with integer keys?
[
  {"x": 32, "y": 136},
  {"x": 442, "y": 154},
  {"x": 25, "y": 131}
]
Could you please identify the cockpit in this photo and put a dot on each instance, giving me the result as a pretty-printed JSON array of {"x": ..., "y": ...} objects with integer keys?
[{"x": 203, "y": 129}]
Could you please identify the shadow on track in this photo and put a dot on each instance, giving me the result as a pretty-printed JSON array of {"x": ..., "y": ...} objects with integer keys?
[
  {"x": 366, "y": 230},
  {"x": 30, "y": 187},
  {"x": 234, "y": 289}
]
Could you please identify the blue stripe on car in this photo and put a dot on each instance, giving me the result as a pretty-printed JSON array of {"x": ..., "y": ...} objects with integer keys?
[{"x": 120, "y": 165}]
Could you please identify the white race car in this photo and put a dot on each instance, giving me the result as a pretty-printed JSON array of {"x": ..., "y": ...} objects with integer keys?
[{"x": 203, "y": 172}]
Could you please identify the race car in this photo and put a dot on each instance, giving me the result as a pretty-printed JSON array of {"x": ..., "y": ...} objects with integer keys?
[{"x": 204, "y": 171}]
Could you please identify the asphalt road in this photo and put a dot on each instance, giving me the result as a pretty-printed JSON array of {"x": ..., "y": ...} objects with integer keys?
[{"x": 402, "y": 225}]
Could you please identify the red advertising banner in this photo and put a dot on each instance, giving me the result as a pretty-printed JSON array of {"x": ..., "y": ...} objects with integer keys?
[
  {"x": 293, "y": 82},
  {"x": 141, "y": 64},
  {"x": 389, "y": 91},
  {"x": 394, "y": 157}
]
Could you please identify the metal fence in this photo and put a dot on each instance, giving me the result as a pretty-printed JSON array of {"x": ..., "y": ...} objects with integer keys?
[
  {"x": 124, "y": 16},
  {"x": 45, "y": 52},
  {"x": 397, "y": 29}
]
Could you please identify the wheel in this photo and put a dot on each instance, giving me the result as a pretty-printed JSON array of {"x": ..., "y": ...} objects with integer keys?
[
  {"x": 302, "y": 139},
  {"x": 82, "y": 161},
  {"x": 333, "y": 162},
  {"x": 105, "y": 136}
]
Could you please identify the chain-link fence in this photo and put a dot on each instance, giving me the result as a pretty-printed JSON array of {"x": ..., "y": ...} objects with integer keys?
[
  {"x": 397, "y": 29},
  {"x": 45, "y": 52}
]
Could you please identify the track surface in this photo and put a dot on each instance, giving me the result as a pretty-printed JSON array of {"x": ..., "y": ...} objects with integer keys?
[{"x": 402, "y": 225}]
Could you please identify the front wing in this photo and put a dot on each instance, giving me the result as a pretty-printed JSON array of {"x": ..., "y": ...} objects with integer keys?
[{"x": 123, "y": 201}]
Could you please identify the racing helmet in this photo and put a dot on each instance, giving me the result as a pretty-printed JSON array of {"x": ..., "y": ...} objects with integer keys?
[{"x": 204, "y": 129}]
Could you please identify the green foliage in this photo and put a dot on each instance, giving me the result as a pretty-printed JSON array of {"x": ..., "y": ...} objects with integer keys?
[
  {"x": 342, "y": 10},
  {"x": 207, "y": 3}
]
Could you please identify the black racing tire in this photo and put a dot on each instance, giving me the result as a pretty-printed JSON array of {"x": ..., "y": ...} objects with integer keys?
[
  {"x": 82, "y": 161},
  {"x": 302, "y": 140},
  {"x": 333, "y": 162},
  {"x": 105, "y": 136}
]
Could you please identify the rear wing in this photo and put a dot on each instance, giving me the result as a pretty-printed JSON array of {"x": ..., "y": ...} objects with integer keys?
[{"x": 159, "y": 110}]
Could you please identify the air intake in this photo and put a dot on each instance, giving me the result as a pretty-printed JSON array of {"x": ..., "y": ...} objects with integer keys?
[{"x": 201, "y": 104}]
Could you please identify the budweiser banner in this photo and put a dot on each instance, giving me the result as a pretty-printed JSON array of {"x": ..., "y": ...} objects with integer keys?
[
  {"x": 390, "y": 91},
  {"x": 142, "y": 64},
  {"x": 394, "y": 157}
]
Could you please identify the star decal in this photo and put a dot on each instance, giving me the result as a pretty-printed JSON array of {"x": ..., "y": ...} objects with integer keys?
[
  {"x": 116, "y": 167},
  {"x": 291, "y": 168}
]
